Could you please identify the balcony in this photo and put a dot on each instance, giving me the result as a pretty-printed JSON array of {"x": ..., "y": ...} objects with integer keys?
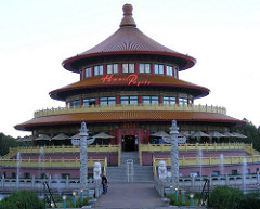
[{"x": 134, "y": 107}]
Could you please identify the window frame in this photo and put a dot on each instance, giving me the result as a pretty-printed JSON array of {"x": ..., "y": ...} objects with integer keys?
[
  {"x": 129, "y": 100},
  {"x": 150, "y": 99},
  {"x": 113, "y": 69},
  {"x": 107, "y": 101},
  {"x": 128, "y": 68},
  {"x": 169, "y": 70},
  {"x": 155, "y": 69},
  {"x": 98, "y": 70},
  {"x": 144, "y": 68}
]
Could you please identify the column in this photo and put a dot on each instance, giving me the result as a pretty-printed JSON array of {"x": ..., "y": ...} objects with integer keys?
[{"x": 174, "y": 130}]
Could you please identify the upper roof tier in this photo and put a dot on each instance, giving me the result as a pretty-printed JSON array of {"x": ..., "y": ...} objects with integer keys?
[{"x": 128, "y": 40}]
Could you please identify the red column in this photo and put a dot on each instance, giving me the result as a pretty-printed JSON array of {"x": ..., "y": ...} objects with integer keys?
[
  {"x": 119, "y": 68},
  {"x": 165, "y": 70},
  {"x": 152, "y": 68},
  {"x": 136, "y": 68},
  {"x": 178, "y": 99},
  {"x": 188, "y": 101},
  {"x": 160, "y": 99},
  {"x": 92, "y": 71},
  {"x": 117, "y": 99},
  {"x": 97, "y": 100},
  {"x": 104, "y": 70},
  {"x": 140, "y": 99}
]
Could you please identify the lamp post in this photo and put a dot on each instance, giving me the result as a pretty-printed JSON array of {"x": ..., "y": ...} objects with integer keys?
[
  {"x": 191, "y": 199},
  {"x": 183, "y": 197},
  {"x": 171, "y": 190},
  {"x": 81, "y": 196},
  {"x": 74, "y": 198},
  {"x": 174, "y": 131},
  {"x": 64, "y": 197},
  {"x": 176, "y": 194}
]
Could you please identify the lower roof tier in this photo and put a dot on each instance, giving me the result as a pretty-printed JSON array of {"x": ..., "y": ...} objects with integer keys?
[
  {"x": 130, "y": 82},
  {"x": 126, "y": 116}
]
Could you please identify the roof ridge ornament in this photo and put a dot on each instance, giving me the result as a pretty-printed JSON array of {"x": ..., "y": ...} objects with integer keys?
[{"x": 127, "y": 19}]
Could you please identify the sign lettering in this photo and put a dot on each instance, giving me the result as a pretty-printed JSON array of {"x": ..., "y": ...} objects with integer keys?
[{"x": 130, "y": 80}]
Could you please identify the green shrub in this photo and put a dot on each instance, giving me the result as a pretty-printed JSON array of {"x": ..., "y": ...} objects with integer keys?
[
  {"x": 21, "y": 200},
  {"x": 179, "y": 202},
  {"x": 250, "y": 201},
  {"x": 224, "y": 197}
]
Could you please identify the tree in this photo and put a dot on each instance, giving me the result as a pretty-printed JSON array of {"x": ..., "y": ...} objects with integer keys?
[
  {"x": 7, "y": 141},
  {"x": 252, "y": 133}
]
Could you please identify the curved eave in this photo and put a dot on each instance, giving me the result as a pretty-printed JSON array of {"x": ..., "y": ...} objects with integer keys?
[
  {"x": 122, "y": 81},
  {"x": 71, "y": 63},
  {"x": 61, "y": 94},
  {"x": 68, "y": 119}
]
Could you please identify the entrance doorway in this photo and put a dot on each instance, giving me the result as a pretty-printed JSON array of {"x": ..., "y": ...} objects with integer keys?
[{"x": 129, "y": 143}]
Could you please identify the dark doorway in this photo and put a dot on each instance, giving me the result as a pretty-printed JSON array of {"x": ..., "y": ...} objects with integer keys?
[{"x": 129, "y": 143}]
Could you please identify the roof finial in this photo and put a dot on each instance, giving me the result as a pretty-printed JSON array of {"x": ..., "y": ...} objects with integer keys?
[{"x": 127, "y": 19}]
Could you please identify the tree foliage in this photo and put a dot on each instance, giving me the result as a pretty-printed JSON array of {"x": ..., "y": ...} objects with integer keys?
[
  {"x": 224, "y": 197},
  {"x": 21, "y": 200},
  {"x": 252, "y": 133},
  {"x": 7, "y": 141}
]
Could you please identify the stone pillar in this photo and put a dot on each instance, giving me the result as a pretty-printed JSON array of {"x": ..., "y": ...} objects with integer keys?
[
  {"x": 83, "y": 157},
  {"x": 3, "y": 181},
  {"x": 174, "y": 131},
  {"x": 33, "y": 181}
]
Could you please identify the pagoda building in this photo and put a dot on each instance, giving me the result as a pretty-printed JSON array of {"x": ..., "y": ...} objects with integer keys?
[{"x": 129, "y": 87}]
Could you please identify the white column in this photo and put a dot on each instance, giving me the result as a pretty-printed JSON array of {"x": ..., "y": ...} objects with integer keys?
[
  {"x": 174, "y": 131},
  {"x": 83, "y": 157}
]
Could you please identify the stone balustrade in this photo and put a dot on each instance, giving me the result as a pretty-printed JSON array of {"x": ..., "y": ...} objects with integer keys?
[
  {"x": 123, "y": 107},
  {"x": 50, "y": 163}
]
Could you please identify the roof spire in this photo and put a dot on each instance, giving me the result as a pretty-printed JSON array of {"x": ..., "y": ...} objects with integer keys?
[{"x": 127, "y": 19}]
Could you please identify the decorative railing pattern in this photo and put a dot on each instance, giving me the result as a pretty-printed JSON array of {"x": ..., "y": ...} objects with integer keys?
[
  {"x": 201, "y": 161},
  {"x": 198, "y": 147},
  {"x": 50, "y": 163},
  {"x": 123, "y": 107},
  {"x": 63, "y": 149}
]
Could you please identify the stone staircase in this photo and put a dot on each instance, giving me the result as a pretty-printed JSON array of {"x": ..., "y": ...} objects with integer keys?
[{"x": 119, "y": 174}]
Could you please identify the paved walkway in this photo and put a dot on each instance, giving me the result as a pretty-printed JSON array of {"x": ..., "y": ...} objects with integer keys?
[{"x": 130, "y": 195}]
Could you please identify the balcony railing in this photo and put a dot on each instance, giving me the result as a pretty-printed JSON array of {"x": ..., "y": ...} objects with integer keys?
[{"x": 123, "y": 107}]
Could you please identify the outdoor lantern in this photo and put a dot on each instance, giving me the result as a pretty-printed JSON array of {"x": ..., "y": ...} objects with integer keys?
[
  {"x": 183, "y": 197},
  {"x": 64, "y": 197},
  {"x": 74, "y": 198},
  {"x": 81, "y": 196},
  {"x": 191, "y": 199},
  {"x": 176, "y": 193},
  {"x": 171, "y": 189}
]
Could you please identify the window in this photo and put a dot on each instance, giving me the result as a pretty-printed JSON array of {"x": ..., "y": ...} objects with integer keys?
[
  {"x": 44, "y": 176},
  {"x": 145, "y": 68},
  {"x": 128, "y": 68},
  {"x": 182, "y": 100},
  {"x": 169, "y": 100},
  {"x": 107, "y": 100},
  {"x": 194, "y": 174},
  {"x": 234, "y": 172},
  {"x": 98, "y": 70},
  {"x": 158, "y": 69},
  {"x": 88, "y": 72},
  {"x": 75, "y": 103},
  {"x": 150, "y": 99},
  {"x": 128, "y": 100},
  {"x": 89, "y": 101},
  {"x": 26, "y": 175},
  {"x": 169, "y": 70},
  {"x": 112, "y": 69},
  {"x": 13, "y": 175},
  {"x": 215, "y": 173},
  {"x": 65, "y": 175},
  {"x": 176, "y": 72}
]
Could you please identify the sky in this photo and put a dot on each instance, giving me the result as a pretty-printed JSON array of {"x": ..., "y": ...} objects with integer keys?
[{"x": 37, "y": 36}]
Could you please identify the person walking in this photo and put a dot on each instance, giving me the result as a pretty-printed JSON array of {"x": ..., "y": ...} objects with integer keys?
[{"x": 104, "y": 183}]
